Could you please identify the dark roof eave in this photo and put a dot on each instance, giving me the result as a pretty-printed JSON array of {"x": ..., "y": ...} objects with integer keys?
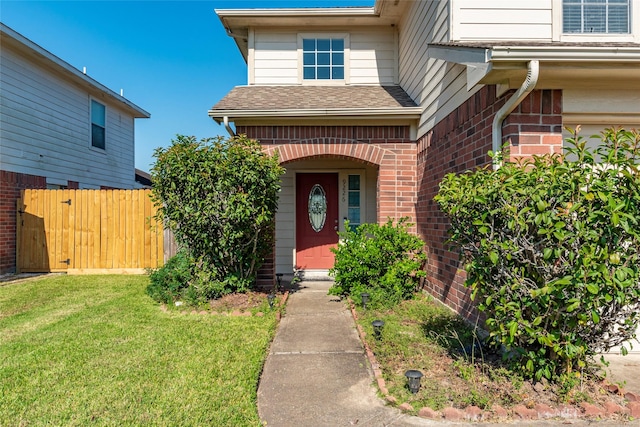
[{"x": 406, "y": 113}]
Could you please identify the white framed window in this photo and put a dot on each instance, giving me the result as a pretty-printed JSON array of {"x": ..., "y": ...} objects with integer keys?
[
  {"x": 354, "y": 205},
  {"x": 98, "y": 124},
  {"x": 323, "y": 58},
  {"x": 596, "y": 16}
]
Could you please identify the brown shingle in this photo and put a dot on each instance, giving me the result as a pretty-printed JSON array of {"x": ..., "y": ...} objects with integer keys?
[{"x": 314, "y": 98}]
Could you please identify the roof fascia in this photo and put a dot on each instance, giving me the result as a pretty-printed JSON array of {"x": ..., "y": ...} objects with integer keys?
[
  {"x": 67, "y": 70},
  {"x": 367, "y": 113},
  {"x": 326, "y": 12}
]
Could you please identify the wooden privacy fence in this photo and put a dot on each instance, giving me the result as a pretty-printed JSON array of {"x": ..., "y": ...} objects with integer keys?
[{"x": 88, "y": 231}]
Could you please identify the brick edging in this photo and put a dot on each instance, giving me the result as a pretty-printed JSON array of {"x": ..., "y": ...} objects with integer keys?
[{"x": 518, "y": 412}]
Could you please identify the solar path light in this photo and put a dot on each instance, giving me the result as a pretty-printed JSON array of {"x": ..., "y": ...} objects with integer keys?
[
  {"x": 271, "y": 298},
  {"x": 413, "y": 378},
  {"x": 365, "y": 299},
  {"x": 377, "y": 328}
]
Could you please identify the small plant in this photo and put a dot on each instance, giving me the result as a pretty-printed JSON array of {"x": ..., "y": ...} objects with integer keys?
[
  {"x": 384, "y": 261},
  {"x": 552, "y": 251},
  {"x": 168, "y": 283}
]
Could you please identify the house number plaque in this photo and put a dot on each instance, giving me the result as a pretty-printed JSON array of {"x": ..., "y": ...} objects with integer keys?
[{"x": 317, "y": 208}]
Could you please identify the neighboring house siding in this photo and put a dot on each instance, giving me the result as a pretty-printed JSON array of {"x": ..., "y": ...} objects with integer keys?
[
  {"x": 437, "y": 86},
  {"x": 501, "y": 20},
  {"x": 274, "y": 60},
  {"x": 45, "y": 129}
]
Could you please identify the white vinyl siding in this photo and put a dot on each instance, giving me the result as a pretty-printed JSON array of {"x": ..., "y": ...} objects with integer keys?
[
  {"x": 373, "y": 57},
  {"x": 45, "y": 129},
  {"x": 501, "y": 20},
  {"x": 285, "y": 223},
  {"x": 275, "y": 58},
  {"x": 370, "y": 55},
  {"x": 596, "y": 109},
  {"x": 437, "y": 86}
]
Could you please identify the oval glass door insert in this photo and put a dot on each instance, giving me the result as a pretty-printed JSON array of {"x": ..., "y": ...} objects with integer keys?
[{"x": 317, "y": 208}]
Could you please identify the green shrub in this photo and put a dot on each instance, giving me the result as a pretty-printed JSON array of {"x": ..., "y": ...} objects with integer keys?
[
  {"x": 183, "y": 278},
  {"x": 219, "y": 197},
  {"x": 552, "y": 251},
  {"x": 382, "y": 260},
  {"x": 168, "y": 283}
]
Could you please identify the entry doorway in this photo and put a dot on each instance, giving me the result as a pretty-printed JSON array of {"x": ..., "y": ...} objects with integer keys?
[{"x": 316, "y": 220}]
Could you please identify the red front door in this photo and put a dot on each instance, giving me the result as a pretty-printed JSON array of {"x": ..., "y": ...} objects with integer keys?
[{"x": 316, "y": 220}]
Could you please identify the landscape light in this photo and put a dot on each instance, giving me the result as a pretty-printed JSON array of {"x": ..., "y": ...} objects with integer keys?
[
  {"x": 365, "y": 299},
  {"x": 413, "y": 378},
  {"x": 271, "y": 298},
  {"x": 377, "y": 328}
]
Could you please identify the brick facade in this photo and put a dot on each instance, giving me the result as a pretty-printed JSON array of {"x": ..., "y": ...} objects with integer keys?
[
  {"x": 389, "y": 148},
  {"x": 461, "y": 142},
  {"x": 11, "y": 184}
]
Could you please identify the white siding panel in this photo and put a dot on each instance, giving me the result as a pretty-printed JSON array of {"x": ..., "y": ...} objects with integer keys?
[
  {"x": 285, "y": 225},
  {"x": 505, "y": 31},
  {"x": 371, "y": 54},
  {"x": 45, "y": 129},
  {"x": 503, "y": 4},
  {"x": 275, "y": 58},
  {"x": 435, "y": 85},
  {"x": 372, "y": 57},
  {"x": 501, "y": 20}
]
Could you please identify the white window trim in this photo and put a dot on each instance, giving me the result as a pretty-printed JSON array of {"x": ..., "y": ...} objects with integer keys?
[
  {"x": 347, "y": 56},
  {"x": 106, "y": 122},
  {"x": 343, "y": 201},
  {"x": 558, "y": 35}
]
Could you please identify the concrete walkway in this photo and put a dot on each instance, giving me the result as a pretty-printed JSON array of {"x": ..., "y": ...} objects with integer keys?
[{"x": 317, "y": 373}]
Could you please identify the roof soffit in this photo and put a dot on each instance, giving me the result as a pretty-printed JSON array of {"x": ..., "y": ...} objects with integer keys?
[
  {"x": 237, "y": 22},
  {"x": 561, "y": 64}
]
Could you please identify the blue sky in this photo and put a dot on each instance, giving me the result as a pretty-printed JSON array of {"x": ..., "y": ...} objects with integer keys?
[{"x": 171, "y": 58}]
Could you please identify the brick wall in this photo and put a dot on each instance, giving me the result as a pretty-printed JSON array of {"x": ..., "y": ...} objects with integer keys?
[
  {"x": 11, "y": 184},
  {"x": 390, "y": 148},
  {"x": 461, "y": 142}
]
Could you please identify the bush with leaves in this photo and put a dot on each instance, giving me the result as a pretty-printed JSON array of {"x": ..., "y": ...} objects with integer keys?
[
  {"x": 219, "y": 197},
  {"x": 168, "y": 283},
  {"x": 383, "y": 260},
  {"x": 552, "y": 251}
]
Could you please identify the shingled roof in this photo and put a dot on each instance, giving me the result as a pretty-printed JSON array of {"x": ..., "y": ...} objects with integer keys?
[{"x": 314, "y": 98}]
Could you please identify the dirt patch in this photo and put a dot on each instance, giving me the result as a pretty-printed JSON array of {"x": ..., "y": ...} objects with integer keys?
[{"x": 238, "y": 302}]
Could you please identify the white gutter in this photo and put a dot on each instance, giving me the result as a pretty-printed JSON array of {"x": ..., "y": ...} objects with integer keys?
[
  {"x": 404, "y": 112},
  {"x": 296, "y": 12},
  {"x": 225, "y": 120},
  {"x": 533, "y": 71}
]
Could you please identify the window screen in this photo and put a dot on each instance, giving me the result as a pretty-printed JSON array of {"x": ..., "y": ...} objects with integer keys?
[{"x": 596, "y": 16}]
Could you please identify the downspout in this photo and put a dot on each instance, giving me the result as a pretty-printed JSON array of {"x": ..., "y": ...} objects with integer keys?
[
  {"x": 533, "y": 71},
  {"x": 225, "y": 120}
]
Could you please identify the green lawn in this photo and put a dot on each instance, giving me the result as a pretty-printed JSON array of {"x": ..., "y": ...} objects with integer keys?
[{"x": 78, "y": 350}]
